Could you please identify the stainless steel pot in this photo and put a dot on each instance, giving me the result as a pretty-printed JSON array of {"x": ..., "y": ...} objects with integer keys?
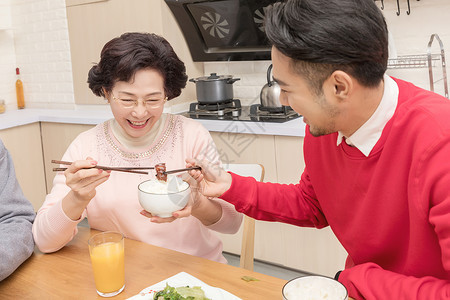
[
  {"x": 214, "y": 88},
  {"x": 270, "y": 93}
]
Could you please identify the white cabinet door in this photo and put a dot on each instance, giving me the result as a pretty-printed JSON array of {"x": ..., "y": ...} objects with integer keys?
[{"x": 56, "y": 137}]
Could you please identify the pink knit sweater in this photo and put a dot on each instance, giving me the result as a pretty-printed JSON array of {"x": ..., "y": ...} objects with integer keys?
[{"x": 116, "y": 206}]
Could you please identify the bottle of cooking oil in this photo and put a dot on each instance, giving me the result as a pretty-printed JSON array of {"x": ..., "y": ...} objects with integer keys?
[
  {"x": 19, "y": 91},
  {"x": 2, "y": 106}
]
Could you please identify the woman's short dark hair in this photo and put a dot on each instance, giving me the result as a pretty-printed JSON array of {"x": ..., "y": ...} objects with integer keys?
[
  {"x": 123, "y": 56},
  {"x": 324, "y": 36}
]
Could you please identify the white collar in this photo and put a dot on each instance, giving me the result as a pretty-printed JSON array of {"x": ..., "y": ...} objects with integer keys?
[{"x": 369, "y": 133}]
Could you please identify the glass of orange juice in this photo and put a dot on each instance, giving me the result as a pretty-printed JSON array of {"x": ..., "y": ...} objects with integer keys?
[{"x": 107, "y": 258}]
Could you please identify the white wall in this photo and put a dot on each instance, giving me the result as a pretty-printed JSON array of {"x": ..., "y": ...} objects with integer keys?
[
  {"x": 36, "y": 40},
  {"x": 411, "y": 34},
  {"x": 34, "y": 37},
  {"x": 7, "y": 54}
]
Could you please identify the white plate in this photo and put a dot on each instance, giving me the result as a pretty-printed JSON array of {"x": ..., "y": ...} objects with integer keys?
[{"x": 184, "y": 279}]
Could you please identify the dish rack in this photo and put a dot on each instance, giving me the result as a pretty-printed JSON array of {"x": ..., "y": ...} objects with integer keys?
[{"x": 428, "y": 60}]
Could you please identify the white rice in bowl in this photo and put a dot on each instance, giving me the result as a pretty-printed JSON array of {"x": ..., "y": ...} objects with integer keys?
[
  {"x": 314, "y": 288},
  {"x": 174, "y": 184}
]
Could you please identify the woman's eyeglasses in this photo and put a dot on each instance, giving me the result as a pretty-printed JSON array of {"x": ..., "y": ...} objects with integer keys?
[{"x": 149, "y": 103}]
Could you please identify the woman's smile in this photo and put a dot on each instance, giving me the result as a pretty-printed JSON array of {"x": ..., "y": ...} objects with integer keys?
[{"x": 138, "y": 124}]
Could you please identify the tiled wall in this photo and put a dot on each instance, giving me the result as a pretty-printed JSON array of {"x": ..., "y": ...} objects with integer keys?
[
  {"x": 7, "y": 53},
  {"x": 37, "y": 41},
  {"x": 252, "y": 76},
  {"x": 34, "y": 37},
  {"x": 410, "y": 33}
]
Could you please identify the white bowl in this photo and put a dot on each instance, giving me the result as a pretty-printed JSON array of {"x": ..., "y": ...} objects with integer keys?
[
  {"x": 162, "y": 205},
  {"x": 314, "y": 287}
]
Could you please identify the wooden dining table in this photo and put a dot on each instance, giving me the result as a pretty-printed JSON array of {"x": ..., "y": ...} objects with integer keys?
[{"x": 67, "y": 273}]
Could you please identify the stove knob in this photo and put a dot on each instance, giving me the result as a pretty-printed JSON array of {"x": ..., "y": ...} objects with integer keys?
[
  {"x": 220, "y": 113},
  {"x": 235, "y": 113}
]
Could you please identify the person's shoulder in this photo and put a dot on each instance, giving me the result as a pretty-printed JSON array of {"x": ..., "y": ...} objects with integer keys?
[
  {"x": 413, "y": 99},
  {"x": 408, "y": 91},
  {"x": 92, "y": 133},
  {"x": 3, "y": 149},
  {"x": 99, "y": 127},
  {"x": 187, "y": 122},
  {"x": 420, "y": 110}
]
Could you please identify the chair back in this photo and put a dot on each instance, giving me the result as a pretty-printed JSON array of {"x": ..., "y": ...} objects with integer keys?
[{"x": 248, "y": 235}]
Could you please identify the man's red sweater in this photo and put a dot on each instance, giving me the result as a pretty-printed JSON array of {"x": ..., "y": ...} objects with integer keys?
[{"x": 390, "y": 210}]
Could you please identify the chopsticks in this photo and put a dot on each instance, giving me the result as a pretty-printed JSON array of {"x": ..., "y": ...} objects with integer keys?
[
  {"x": 123, "y": 169},
  {"x": 119, "y": 169},
  {"x": 181, "y": 170}
]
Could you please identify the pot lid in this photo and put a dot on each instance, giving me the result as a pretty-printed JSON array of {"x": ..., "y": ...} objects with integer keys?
[{"x": 214, "y": 77}]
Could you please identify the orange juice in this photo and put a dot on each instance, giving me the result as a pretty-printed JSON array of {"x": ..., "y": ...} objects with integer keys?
[{"x": 107, "y": 258}]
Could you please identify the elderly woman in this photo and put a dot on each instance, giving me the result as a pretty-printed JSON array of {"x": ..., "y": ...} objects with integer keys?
[{"x": 137, "y": 74}]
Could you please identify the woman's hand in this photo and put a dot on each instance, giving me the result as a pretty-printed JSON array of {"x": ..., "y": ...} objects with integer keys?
[
  {"x": 185, "y": 212},
  {"x": 207, "y": 211},
  {"x": 82, "y": 178},
  {"x": 212, "y": 180}
]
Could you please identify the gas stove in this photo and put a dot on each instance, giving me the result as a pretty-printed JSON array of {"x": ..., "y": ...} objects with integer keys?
[{"x": 233, "y": 111}]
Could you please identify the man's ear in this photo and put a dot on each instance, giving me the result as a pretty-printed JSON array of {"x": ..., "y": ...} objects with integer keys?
[{"x": 342, "y": 84}]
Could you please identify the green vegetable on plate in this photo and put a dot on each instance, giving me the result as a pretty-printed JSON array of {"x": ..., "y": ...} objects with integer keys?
[{"x": 180, "y": 293}]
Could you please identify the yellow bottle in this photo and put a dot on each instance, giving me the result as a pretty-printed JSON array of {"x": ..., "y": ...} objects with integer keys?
[
  {"x": 2, "y": 106},
  {"x": 19, "y": 91}
]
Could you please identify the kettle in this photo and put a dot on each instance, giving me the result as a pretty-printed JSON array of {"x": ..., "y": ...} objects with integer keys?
[{"x": 270, "y": 93}]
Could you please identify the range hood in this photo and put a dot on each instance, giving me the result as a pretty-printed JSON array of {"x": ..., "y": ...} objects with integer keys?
[{"x": 223, "y": 30}]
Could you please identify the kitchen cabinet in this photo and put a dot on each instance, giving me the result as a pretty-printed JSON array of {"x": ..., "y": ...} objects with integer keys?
[
  {"x": 81, "y": 2},
  {"x": 247, "y": 148},
  {"x": 24, "y": 145},
  {"x": 56, "y": 137},
  {"x": 306, "y": 249},
  {"x": 93, "y": 23}
]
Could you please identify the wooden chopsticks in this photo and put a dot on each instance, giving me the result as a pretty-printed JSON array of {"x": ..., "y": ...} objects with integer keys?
[
  {"x": 123, "y": 169},
  {"x": 181, "y": 170},
  {"x": 119, "y": 169}
]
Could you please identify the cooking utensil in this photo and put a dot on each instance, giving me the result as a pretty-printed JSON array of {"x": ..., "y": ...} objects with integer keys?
[
  {"x": 214, "y": 88},
  {"x": 270, "y": 93}
]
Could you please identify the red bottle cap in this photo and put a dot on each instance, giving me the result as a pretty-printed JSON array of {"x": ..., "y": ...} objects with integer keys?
[{"x": 17, "y": 71}]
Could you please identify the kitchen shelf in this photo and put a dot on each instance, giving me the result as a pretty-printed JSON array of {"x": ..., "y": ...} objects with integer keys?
[
  {"x": 413, "y": 61},
  {"x": 428, "y": 60}
]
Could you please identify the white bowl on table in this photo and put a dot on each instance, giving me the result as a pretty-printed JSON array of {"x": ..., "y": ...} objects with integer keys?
[
  {"x": 314, "y": 287},
  {"x": 163, "y": 203}
]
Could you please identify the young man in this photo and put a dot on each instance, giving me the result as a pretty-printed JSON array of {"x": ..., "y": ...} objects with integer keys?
[
  {"x": 376, "y": 150},
  {"x": 16, "y": 218}
]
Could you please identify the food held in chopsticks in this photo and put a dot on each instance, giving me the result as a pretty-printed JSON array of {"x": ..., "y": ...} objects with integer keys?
[
  {"x": 181, "y": 293},
  {"x": 161, "y": 172}
]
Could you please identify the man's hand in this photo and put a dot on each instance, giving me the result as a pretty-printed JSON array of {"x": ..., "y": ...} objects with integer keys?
[{"x": 212, "y": 180}]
